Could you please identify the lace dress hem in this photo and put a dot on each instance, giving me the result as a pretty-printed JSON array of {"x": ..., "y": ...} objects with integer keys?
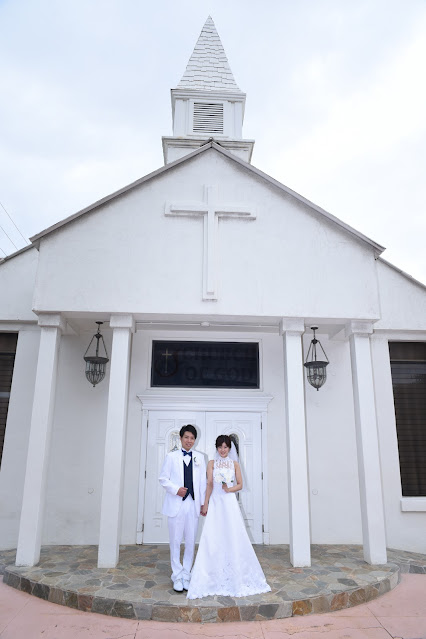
[{"x": 230, "y": 593}]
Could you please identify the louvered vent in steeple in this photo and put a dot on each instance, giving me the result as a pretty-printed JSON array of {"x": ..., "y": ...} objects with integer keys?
[{"x": 208, "y": 117}]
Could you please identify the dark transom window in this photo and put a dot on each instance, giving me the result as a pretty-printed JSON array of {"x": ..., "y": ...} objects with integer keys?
[
  {"x": 7, "y": 360},
  {"x": 205, "y": 364},
  {"x": 408, "y": 364}
]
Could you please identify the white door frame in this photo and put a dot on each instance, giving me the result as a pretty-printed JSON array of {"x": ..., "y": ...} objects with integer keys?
[{"x": 245, "y": 401}]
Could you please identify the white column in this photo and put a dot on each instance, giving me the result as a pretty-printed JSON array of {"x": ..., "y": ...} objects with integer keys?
[
  {"x": 369, "y": 474},
  {"x": 111, "y": 505},
  {"x": 31, "y": 524},
  {"x": 386, "y": 428},
  {"x": 297, "y": 459}
]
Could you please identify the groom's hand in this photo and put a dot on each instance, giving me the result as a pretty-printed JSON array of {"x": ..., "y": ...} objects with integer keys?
[{"x": 182, "y": 491}]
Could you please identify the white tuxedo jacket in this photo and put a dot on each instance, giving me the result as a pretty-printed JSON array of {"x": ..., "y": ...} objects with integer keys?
[{"x": 171, "y": 478}]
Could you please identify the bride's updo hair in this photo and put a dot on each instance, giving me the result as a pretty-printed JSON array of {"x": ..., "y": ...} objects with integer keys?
[{"x": 223, "y": 439}]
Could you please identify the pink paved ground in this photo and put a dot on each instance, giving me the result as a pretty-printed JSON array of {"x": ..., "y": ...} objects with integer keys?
[{"x": 400, "y": 614}]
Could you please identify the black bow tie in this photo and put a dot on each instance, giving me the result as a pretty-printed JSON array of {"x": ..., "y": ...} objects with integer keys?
[{"x": 185, "y": 452}]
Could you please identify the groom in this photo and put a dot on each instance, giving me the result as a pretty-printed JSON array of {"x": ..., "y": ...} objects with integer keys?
[{"x": 183, "y": 475}]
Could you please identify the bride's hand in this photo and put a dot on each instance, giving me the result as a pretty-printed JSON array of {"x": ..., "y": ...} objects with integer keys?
[
  {"x": 204, "y": 509},
  {"x": 225, "y": 488}
]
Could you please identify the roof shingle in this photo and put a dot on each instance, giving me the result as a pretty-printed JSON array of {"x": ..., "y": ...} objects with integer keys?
[{"x": 208, "y": 68}]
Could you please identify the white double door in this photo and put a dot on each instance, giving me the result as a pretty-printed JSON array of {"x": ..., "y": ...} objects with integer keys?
[{"x": 163, "y": 437}]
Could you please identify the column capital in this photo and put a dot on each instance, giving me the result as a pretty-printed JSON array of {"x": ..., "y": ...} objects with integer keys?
[
  {"x": 379, "y": 337},
  {"x": 122, "y": 321},
  {"x": 52, "y": 320},
  {"x": 360, "y": 328},
  {"x": 292, "y": 325}
]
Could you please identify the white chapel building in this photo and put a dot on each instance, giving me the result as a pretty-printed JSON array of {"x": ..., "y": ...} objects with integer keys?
[{"x": 208, "y": 275}]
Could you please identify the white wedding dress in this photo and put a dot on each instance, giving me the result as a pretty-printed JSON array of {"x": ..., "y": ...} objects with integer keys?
[{"x": 226, "y": 563}]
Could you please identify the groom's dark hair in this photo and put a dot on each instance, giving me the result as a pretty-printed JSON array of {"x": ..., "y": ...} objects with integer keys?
[{"x": 190, "y": 428}]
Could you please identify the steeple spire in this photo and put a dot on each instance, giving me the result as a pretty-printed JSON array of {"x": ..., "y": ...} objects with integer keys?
[
  {"x": 208, "y": 68},
  {"x": 207, "y": 102}
]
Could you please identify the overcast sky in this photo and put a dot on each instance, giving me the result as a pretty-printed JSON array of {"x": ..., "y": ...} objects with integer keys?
[{"x": 336, "y": 101}]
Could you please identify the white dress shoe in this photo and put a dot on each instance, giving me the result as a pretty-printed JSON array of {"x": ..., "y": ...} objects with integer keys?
[
  {"x": 178, "y": 585},
  {"x": 185, "y": 584}
]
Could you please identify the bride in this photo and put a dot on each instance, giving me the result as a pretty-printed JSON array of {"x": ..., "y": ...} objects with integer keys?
[{"x": 226, "y": 563}]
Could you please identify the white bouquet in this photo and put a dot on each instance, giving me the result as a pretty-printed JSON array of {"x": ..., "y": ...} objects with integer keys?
[{"x": 223, "y": 476}]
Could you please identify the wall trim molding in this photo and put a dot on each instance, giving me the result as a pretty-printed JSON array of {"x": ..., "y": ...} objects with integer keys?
[
  {"x": 413, "y": 504},
  {"x": 254, "y": 401}
]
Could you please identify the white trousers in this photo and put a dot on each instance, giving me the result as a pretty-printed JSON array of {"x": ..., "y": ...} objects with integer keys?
[{"x": 183, "y": 526}]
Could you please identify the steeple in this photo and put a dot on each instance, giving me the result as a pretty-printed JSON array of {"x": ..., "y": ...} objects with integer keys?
[
  {"x": 207, "y": 102},
  {"x": 208, "y": 68}
]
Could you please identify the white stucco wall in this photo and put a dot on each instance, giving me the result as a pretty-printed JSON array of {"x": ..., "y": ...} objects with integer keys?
[
  {"x": 17, "y": 279},
  {"x": 12, "y": 471},
  {"x": 76, "y": 456},
  {"x": 402, "y": 300},
  {"x": 137, "y": 383},
  {"x": 290, "y": 261},
  {"x": 273, "y": 378},
  {"x": 333, "y": 469}
]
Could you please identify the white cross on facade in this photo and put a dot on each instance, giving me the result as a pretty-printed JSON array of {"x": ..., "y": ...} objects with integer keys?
[{"x": 211, "y": 212}]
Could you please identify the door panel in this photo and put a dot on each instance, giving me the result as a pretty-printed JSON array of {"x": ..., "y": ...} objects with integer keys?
[
  {"x": 163, "y": 436},
  {"x": 247, "y": 428}
]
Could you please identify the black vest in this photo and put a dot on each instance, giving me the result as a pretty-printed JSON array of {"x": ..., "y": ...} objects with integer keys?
[{"x": 187, "y": 479}]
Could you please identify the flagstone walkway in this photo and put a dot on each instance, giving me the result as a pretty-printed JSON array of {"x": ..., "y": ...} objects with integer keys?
[{"x": 140, "y": 587}]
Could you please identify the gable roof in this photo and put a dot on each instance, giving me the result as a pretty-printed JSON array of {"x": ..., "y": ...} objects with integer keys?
[
  {"x": 210, "y": 144},
  {"x": 208, "y": 68}
]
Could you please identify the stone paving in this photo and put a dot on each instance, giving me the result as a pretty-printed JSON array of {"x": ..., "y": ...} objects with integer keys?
[{"x": 140, "y": 587}]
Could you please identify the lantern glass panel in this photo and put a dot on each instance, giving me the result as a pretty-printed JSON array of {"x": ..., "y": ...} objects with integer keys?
[
  {"x": 96, "y": 364},
  {"x": 317, "y": 373},
  {"x": 95, "y": 369}
]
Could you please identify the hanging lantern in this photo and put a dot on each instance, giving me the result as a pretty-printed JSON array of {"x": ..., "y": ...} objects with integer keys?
[
  {"x": 96, "y": 364},
  {"x": 316, "y": 369}
]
